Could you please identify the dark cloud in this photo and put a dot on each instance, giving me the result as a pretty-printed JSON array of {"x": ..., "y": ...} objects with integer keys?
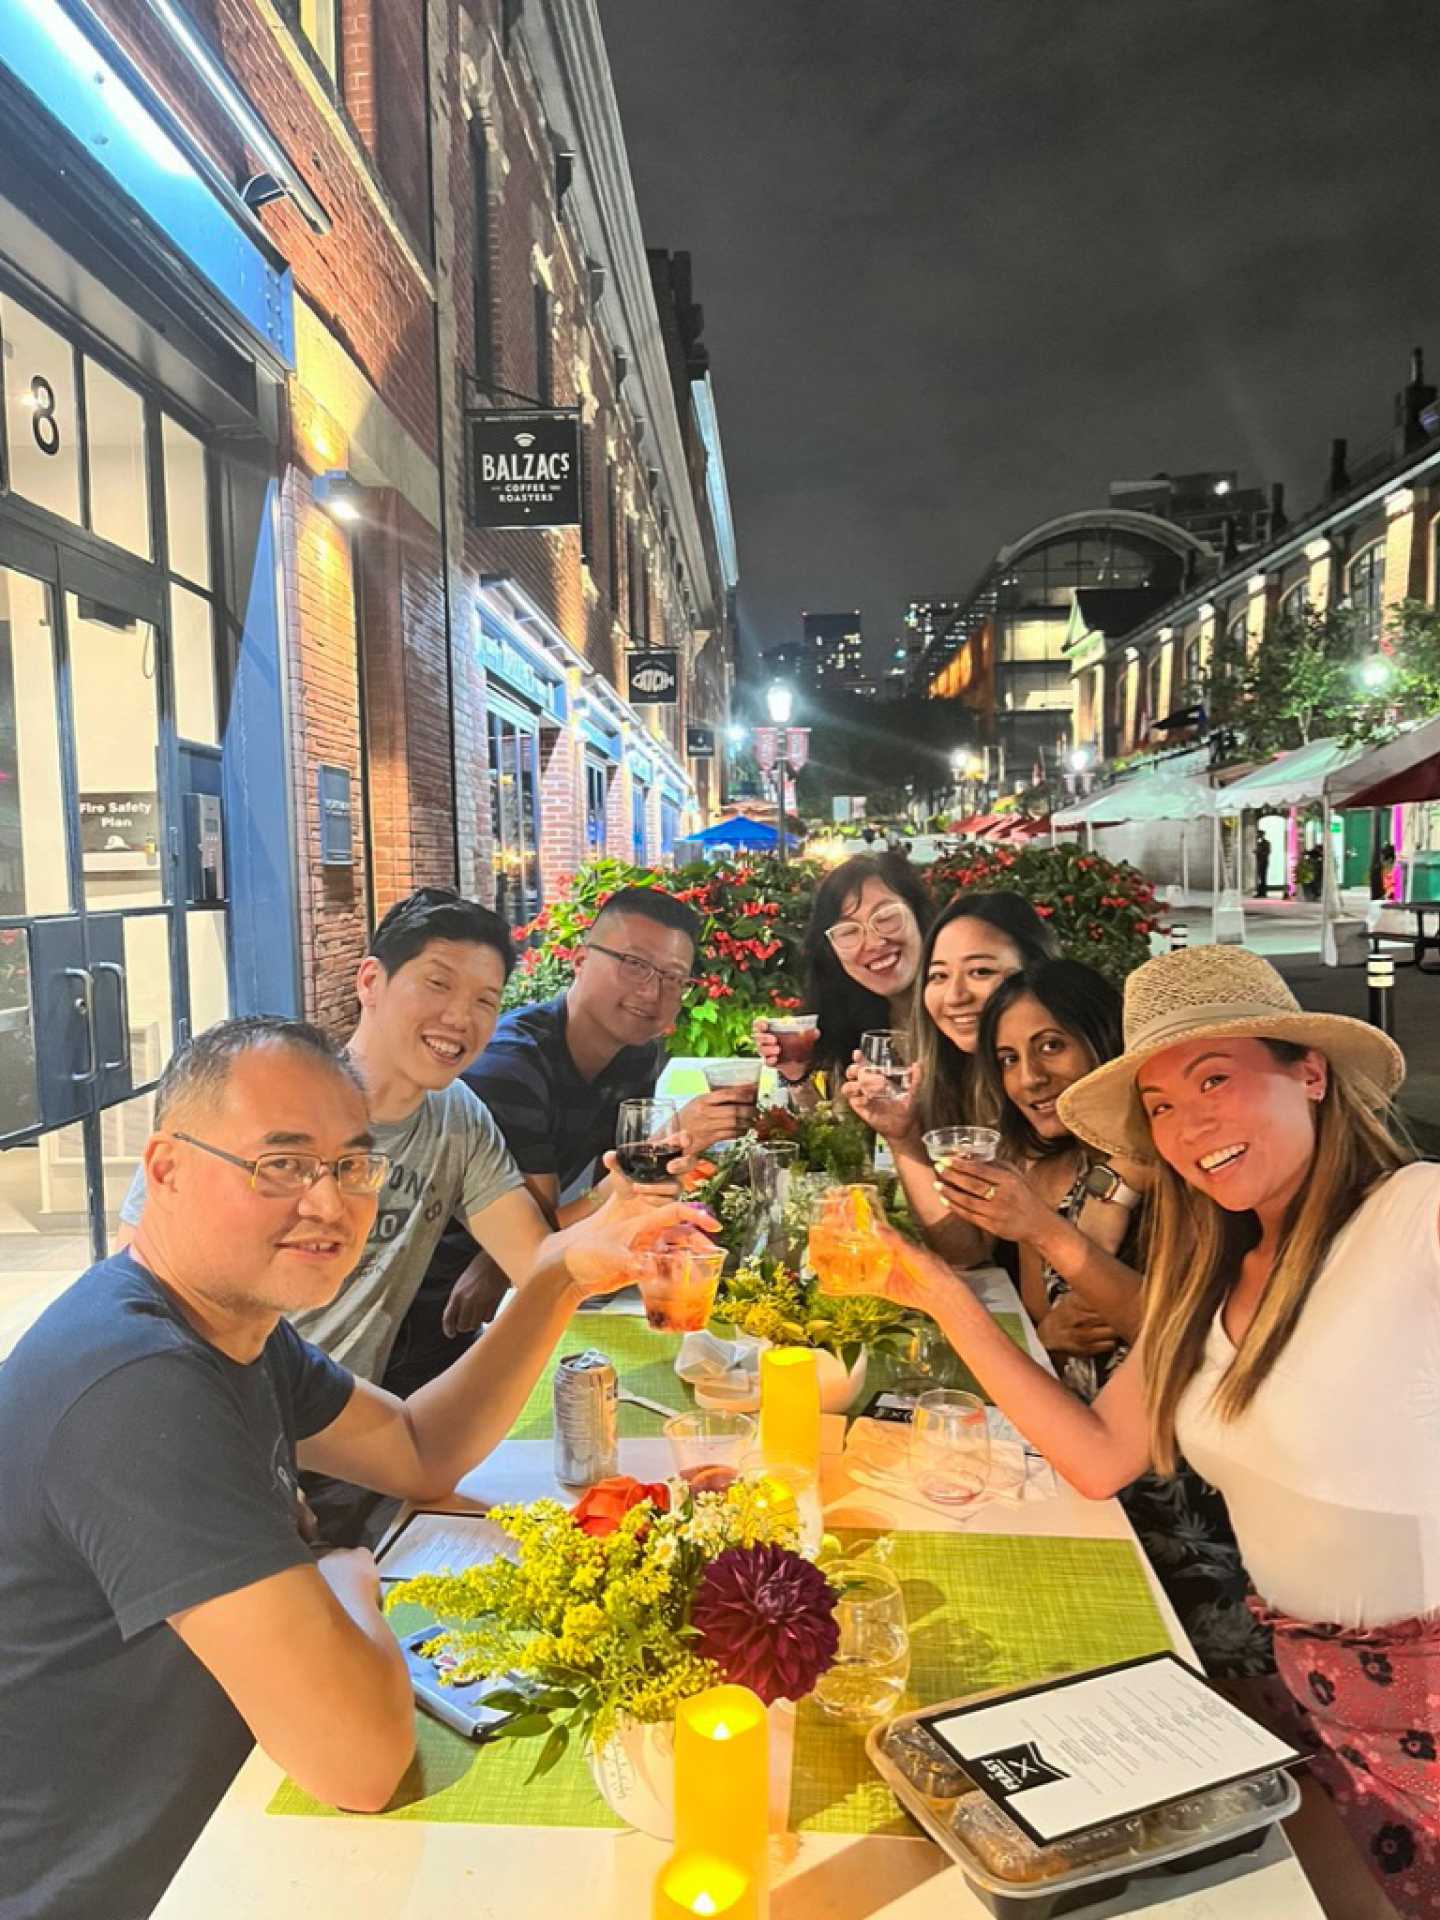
[{"x": 965, "y": 261}]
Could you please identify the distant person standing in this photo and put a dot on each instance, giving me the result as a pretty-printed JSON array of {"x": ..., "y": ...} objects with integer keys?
[{"x": 1262, "y": 865}]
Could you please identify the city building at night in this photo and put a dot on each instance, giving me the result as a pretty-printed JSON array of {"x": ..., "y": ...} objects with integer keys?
[
  {"x": 832, "y": 652},
  {"x": 363, "y": 521}
]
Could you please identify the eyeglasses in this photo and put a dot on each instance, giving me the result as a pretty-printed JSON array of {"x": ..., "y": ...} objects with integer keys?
[
  {"x": 892, "y": 921},
  {"x": 639, "y": 973},
  {"x": 278, "y": 1174}
]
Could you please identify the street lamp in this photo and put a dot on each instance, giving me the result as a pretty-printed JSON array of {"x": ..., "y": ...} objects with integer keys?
[
  {"x": 1375, "y": 673},
  {"x": 1078, "y": 759},
  {"x": 780, "y": 702}
]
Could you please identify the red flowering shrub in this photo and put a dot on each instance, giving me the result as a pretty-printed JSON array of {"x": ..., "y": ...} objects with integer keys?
[{"x": 1102, "y": 911}]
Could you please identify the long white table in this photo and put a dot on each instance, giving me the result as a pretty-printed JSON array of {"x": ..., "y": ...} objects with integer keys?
[{"x": 248, "y": 1865}]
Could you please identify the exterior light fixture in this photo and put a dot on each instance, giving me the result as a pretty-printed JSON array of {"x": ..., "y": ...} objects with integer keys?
[
  {"x": 1078, "y": 759},
  {"x": 338, "y": 495},
  {"x": 735, "y": 735},
  {"x": 780, "y": 702},
  {"x": 1375, "y": 673},
  {"x": 1222, "y": 486}
]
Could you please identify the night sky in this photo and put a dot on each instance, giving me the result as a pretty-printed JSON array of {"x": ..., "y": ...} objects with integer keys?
[{"x": 965, "y": 261}]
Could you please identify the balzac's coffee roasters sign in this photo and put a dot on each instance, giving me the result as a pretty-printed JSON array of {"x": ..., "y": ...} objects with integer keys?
[{"x": 524, "y": 468}]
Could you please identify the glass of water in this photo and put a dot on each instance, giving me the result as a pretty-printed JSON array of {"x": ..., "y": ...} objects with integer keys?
[
  {"x": 950, "y": 1446},
  {"x": 872, "y": 1665}
]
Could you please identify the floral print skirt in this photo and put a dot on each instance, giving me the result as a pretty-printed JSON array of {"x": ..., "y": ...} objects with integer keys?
[{"x": 1368, "y": 1708}]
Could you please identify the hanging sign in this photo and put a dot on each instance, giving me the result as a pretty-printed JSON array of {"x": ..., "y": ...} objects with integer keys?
[
  {"x": 700, "y": 743},
  {"x": 797, "y": 747},
  {"x": 523, "y": 468},
  {"x": 654, "y": 677},
  {"x": 766, "y": 742}
]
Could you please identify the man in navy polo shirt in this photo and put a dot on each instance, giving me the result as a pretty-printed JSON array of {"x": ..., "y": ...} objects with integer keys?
[{"x": 553, "y": 1077}]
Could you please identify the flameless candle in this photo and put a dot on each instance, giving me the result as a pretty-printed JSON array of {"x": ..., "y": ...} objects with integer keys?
[
  {"x": 722, "y": 1780},
  {"x": 790, "y": 1408},
  {"x": 696, "y": 1883}
]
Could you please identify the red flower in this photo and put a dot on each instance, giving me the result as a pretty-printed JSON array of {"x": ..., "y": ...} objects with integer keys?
[
  {"x": 1044, "y": 912},
  {"x": 601, "y": 1508}
]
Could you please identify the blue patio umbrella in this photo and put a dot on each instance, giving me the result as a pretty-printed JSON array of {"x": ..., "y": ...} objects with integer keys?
[{"x": 756, "y": 835}]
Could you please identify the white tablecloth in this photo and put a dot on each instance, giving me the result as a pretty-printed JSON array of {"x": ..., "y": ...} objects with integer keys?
[{"x": 250, "y": 1866}]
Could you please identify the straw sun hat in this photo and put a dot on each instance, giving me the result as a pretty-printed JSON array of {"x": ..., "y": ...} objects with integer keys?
[{"x": 1222, "y": 992}]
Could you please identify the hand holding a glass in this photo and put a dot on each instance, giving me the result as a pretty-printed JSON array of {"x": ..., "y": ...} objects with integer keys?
[
  {"x": 996, "y": 1198},
  {"x": 847, "y": 1246},
  {"x": 880, "y": 1082},
  {"x": 651, "y": 1147},
  {"x": 787, "y": 1043}
]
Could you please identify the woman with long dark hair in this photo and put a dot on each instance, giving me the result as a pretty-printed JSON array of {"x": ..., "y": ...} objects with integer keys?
[
  {"x": 862, "y": 953},
  {"x": 977, "y": 941},
  {"x": 1290, "y": 1347}
]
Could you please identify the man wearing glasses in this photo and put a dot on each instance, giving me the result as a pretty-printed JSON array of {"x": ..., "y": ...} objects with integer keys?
[
  {"x": 160, "y": 1607},
  {"x": 554, "y": 1076}
]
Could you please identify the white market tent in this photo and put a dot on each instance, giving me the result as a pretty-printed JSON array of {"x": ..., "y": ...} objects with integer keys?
[{"x": 1174, "y": 789}]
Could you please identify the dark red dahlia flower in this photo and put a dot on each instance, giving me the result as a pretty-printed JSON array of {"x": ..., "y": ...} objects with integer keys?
[{"x": 767, "y": 1619}]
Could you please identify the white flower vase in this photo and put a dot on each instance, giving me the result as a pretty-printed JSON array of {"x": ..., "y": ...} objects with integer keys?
[
  {"x": 840, "y": 1386},
  {"x": 634, "y": 1772}
]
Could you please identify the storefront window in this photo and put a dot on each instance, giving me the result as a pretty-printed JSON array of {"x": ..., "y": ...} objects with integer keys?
[
  {"x": 669, "y": 829},
  {"x": 34, "y": 866},
  {"x": 1295, "y": 602},
  {"x": 515, "y": 818},
  {"x": 595, "y": 789},
  {"x": 118, "y": 467},
  {"x": 42, "y": 417},
  {"x": 187, "y": 504},
  {"x": 639, "y": 799}
]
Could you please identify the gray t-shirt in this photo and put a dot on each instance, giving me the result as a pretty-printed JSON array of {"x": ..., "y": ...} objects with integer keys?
[
  {"x": 446, "y": 1158},
  {"x": 142, "y": 1472}
]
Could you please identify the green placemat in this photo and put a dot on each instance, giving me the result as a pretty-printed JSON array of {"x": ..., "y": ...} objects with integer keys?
[
  {"x": 985, "y": 1610},
  {"x": 890, "y": 1369}
]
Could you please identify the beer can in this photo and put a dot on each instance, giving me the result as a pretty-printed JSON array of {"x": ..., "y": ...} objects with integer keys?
[{"x": 587, "y": 1437}]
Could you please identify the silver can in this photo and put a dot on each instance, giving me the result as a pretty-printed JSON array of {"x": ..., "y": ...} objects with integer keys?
[{"x": 587, "y": 1436}]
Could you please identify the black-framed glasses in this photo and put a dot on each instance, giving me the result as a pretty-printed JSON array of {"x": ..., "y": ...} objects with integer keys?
[
  {"x": 283, "y": 1172},
  {"x": 641, "y": 972},
  {"x": 890, "y": 921}
]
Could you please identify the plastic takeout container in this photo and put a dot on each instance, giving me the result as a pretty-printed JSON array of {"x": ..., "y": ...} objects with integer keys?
[{"x": 1179, "y": 1838}]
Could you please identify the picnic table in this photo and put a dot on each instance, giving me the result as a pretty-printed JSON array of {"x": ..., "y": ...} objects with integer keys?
[
  {"x": 1422, "y": 941},
  {"x": 1002, "y": 1595}
]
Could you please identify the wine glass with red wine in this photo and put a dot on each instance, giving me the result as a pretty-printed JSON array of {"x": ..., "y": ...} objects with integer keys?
[{"x": 647, "y": 1139}]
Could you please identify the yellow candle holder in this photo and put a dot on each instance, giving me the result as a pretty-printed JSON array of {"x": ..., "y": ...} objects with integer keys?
[
  {"x": 790, "y": 1408},
  {"x": 700, "y": 1883},
  {"x": 722, "y": 1780}
]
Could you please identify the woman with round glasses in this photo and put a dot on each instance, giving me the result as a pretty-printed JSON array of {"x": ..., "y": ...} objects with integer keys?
[{"x": 862, "y": 952}]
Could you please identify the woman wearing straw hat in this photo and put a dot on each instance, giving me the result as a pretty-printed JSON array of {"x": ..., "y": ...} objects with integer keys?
[{"x": 1289, "y": 1348}]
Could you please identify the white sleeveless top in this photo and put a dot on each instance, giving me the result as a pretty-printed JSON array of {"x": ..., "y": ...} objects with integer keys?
[{"x": 1332, "y": 1473}]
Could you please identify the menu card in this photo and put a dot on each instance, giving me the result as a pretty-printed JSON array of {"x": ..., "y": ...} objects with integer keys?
[
  {"x": 432, "y": 1542},
  {"x": 1093, "y": 1748}
]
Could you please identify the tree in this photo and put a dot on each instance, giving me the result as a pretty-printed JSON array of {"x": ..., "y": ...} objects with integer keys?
[
  {"x": 1299, "y": 685},
  {"x": 1407, "y": 686}
]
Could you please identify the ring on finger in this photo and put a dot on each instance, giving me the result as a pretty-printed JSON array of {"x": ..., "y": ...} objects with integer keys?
[{"x": 991, "y": 1191}]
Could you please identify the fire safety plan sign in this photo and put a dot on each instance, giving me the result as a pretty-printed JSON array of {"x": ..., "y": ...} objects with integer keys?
[{"x": 523, "y": 468}]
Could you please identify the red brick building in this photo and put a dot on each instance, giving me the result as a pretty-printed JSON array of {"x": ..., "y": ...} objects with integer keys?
[{"x": 258, "y": 675}]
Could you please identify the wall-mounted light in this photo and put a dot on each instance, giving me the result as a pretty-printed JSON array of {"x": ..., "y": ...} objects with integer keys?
[
  {"x": 341, "y": 497},
  {"x": 260, "y": 189},
  {"x": 1078, "y": 760}
]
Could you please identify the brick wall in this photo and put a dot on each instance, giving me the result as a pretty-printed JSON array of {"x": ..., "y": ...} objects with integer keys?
[
  {"x": 412, "y": 798},
  {"x": 562, "y": 805},
  {"x": 324, "y": 730}
]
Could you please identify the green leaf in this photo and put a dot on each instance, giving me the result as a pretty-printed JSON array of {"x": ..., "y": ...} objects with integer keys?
[{"x": 550, "y": 1753}]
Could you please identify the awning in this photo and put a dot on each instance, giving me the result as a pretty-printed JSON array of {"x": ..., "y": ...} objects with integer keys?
[
  {"x": 1177, "y": 789},
  {"x": 1404, "y": 769},
  {"x": 1295, "y": 779}
]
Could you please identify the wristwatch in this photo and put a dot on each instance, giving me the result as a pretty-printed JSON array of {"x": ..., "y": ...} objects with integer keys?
[{"x": 1105, "y": 1183}]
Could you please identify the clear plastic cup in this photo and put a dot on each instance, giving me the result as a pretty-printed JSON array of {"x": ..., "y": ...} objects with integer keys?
[
  {"x": 843, "y": 1249},
  {"x": 944, "y": 1144},
  {"x": 709, "y": 1447},
  {"x": 796, "y": 1034},
  {"x": 872, "y": 1661},
  {"x": 950, "y": 1446},
  {"x": 677, "y": 1287}
]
